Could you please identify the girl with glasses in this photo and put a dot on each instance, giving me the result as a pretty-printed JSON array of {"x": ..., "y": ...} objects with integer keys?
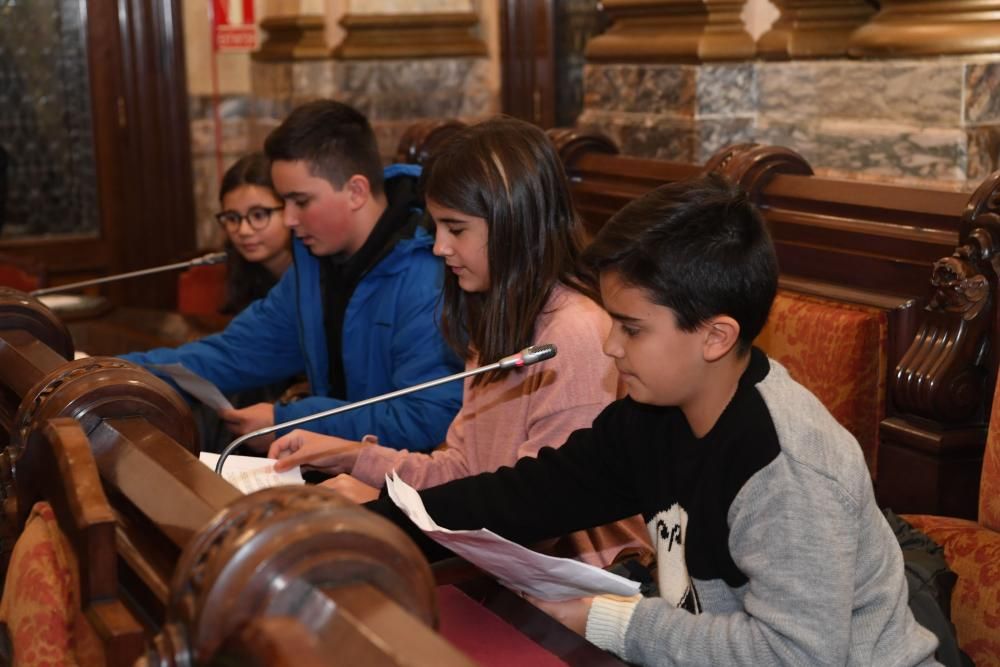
[
  {"x": 259, "y": 250},
  {"x": 257, "y": 242}
]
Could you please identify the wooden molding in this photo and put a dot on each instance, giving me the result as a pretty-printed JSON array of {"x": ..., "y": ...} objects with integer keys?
[
  {"x": 930, "y": 27},
  {"x": 293, "y": 38},
  {"x": 813, "y": 28},
  {"x": 672, "y": 31},
  {"x": 436, "y": 35}
]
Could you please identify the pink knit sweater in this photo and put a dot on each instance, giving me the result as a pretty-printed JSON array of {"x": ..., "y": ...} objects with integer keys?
[{"x": 526, "y": 410}]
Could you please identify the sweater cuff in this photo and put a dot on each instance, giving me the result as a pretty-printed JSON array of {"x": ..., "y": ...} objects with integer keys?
[
  {"x": 373, "y": 464},
  {"x": 608, "y": 621}
]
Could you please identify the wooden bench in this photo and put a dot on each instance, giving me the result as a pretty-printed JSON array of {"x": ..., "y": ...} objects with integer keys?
[
  {"x": 173, "y": 563},
  {"x": 906, "y": 273},
  {"x": 913, "y": 387}
]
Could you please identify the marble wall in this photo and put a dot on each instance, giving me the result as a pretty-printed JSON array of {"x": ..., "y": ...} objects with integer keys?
[
  {"x": 236, "y": 100},
  {"x": 908, "y": 120}
]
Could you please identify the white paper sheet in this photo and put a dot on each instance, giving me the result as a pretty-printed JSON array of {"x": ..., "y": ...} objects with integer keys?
[
  {"x": 196, "y": 385},
  {"x": 517, "y": 567},
  {"x": 252, "y": 473}
]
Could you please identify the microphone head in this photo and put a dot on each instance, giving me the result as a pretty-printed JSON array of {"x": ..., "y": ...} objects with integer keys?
[
  {"x": 529, "y": 355},
  {"x": 210, "y": 258}
]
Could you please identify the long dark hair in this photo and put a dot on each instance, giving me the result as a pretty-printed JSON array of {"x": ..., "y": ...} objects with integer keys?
[
  {"x": 245, "y": 281},
  {"x": 507, "y": 172}
]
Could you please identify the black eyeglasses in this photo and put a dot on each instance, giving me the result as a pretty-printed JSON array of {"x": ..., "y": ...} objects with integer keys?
[{"x": 257, "y": 216}]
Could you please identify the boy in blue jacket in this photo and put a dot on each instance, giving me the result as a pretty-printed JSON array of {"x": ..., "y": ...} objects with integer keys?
[
  {"x": 357, "y": 312},
  {"x": 770, "y": 547}
]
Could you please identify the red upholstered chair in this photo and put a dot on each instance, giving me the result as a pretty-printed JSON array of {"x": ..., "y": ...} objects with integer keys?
[
  {"x": 837, "y": 350},
  {"x": 972, "y": 549},
  {"x": 41, "y": 599},
  {"x": 21, "y": 273},
  {"x": 201, "y": 290}
]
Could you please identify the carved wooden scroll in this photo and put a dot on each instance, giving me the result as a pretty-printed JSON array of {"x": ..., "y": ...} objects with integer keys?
[
  {"x": 942, "y": 385},
  {"x": 422, "y": 138},
  {"x": 752, "y": 165},
  {"x": 943, "y": 375}
]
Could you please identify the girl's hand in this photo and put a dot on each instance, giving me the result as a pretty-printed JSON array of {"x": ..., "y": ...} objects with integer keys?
[
  {"x": 571, "y": 613},
  {"x": 352, "y": 489},
  {"x": 323, "y": 452}
]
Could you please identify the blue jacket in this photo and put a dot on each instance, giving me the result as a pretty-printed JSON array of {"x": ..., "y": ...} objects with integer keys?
[{"x": 391, "y": 340}]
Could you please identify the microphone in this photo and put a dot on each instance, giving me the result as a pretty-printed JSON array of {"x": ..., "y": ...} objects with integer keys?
[
  {"x": 526, "y": 357},
  {"x": 204, "y": 260}
]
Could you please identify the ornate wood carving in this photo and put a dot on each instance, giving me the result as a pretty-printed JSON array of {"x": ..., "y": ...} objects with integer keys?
[
  {"x": 943, "y": 374},
  {"x": 293, "y": 38},
  {"x": 422, "y": 138},
  {"x": 929, "y": 27},
  {"x": 942, "y": 386},
  {"x": 97, "y": 388},
  {"x": 672, "y": 31},
  {"x": 302, "y": 553},
  {"x": 59, "y": 463},
  {"x": 424, "y": 35},
  {"x": 813, "y": 28}
]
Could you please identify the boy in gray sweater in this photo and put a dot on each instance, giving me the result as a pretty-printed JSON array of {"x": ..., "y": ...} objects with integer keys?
[{"x": 770, "y": 546}]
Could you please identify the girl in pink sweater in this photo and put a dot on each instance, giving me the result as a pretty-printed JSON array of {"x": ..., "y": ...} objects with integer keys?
[{"x": 506, "y": 230}]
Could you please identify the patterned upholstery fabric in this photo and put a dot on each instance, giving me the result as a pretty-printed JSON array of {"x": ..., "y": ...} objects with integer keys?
[
  {"x": 41, "y": 599},
  {"x": 837, "y": 351},
  {"x": 973, "y": 553}
]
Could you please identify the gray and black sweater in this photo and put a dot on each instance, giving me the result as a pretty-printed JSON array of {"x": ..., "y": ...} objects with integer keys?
[{"x": 770, "y": 546}]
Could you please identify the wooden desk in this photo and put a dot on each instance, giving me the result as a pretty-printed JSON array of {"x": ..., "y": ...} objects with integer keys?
[{"x": 126, "y": 329}]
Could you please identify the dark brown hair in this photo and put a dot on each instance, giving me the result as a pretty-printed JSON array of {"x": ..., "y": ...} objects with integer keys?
[
  {"x": 334, "y": 139},
  {"x": 245, "y": 281},
  {"x": 698, "y": 247},
  {"x": 507, "y": 172}
]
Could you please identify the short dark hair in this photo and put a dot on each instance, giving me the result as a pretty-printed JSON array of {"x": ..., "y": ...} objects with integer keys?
[
  {"x": 334, "y": 139},
  {"x": 252, "y": 169},
  {"x": 698, "y": 247},
  {"x": 507, "y": 172}
]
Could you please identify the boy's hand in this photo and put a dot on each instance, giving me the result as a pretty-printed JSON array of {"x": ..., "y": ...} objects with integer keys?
[
  {"x": 241, "y": 422},
  {"x": 571, "y": 613},
  {"x": 327, "y": 453},
  {"x": 352, "y": 489}
]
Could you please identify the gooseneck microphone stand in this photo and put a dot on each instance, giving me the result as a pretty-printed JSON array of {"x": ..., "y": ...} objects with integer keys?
[
  {"x": 526, "y": 357},
  {"x": 210, "y": 258}
]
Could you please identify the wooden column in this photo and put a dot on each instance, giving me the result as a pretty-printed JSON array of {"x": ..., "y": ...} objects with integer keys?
[
  {"x": 813, "y": 28},
  {"x": 672, "y": 31},
  {"x": 930, "y": 27}
]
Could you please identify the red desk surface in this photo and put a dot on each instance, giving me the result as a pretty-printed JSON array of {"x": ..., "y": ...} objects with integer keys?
[{"x": 496, "y": 628}]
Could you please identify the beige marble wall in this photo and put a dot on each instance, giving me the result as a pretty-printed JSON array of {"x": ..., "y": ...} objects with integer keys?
[
  {"x": 232, "y": 115},
  {"x": 906, "y": 120}
]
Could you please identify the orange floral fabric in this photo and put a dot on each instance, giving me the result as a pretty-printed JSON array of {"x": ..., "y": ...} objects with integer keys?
[
  {"x": 41, "y": 599},
  {"x": 837, "y": 351},
  {"x": 989, "y": 484},
  {"x": 973, "y": 553}
]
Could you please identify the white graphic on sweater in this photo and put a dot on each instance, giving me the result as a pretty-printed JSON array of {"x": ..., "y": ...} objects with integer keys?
[{"x": 668, "y": 530}]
